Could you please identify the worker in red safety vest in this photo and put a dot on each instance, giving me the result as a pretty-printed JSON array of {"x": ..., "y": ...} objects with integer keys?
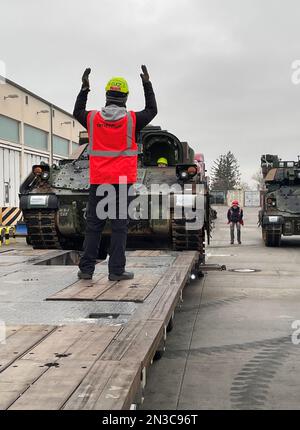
[{"x": 113, "y": 164}]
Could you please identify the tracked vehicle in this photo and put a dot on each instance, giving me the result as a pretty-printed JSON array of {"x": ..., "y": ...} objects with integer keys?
[
  {"x": 54, "y": 198},
  {"x": 280, "y": 214}
]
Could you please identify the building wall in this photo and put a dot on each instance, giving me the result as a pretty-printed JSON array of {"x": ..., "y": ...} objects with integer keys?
[
  {"x": 245, "y": 198},
  {"x": 235, "y": 195},
  {"x": 9, "y": 176},
  {"x": 252, "y": 198},
  {"x": 31, "y": 143}
]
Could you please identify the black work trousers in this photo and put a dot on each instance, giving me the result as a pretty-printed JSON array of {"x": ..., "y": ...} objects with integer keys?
[
  {"x": 238, "y": 229},
  {"x": 94, "y": 228}
]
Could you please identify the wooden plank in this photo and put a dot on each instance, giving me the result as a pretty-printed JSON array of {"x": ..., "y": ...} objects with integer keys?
[
  {"x": 120, "y": 344},
  {"x": 135, "y": 290},
  {"x": 133, "y": 253},
  {"x": 21, "y": 341},
  {"x": 155, "y": 253},
  {"x": 146, "y": 343},
  {"x": 169, "y": 298},
  {"x": 86, "y": 395},
  {"x": 31, "y": 366},
  {"x": 153, "y": 261},
  {"x": 16, "y": 379},
  {"x": 92, "y": 293},
  {"x": 138, "y": 342},
  {"x": 57, "y": 344},
  {"x": 79, "y": 287},
  {"x": 175, "y": 277},
  {"x": 139, "y": 253},
  {"x": 109, "y": 385},
  {"x": 11, "y": 330},
  {"x": 119, "y": 392},
  {"x": 55, "y": 385}
]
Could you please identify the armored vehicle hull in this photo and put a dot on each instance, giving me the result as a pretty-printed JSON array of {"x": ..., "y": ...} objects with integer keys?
[
  {"x": 280, "y": 214},
  {"x": 54, "y": 199}
]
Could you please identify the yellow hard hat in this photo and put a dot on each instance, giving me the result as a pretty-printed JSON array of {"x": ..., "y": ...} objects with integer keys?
[
  {"x": 117, "y": 84},
  {"x": 162, "y": 160}
]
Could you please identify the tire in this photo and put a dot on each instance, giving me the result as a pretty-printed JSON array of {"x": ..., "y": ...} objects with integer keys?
[{"x": 272, "y": 239}]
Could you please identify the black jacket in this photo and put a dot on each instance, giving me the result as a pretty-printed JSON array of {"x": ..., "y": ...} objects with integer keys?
[
  {"x": 143, "y": 117},
  {"x": 235, "y": 214}
]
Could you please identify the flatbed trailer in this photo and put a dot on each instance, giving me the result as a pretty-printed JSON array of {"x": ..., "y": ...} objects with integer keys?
[{"x": 77, "y": 344}]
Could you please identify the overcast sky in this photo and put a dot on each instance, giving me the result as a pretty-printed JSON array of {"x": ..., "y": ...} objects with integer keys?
[{"x": 221, "y": 69}]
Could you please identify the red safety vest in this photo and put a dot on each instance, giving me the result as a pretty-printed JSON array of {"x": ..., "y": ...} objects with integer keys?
[{"x": 112, "y": 149}]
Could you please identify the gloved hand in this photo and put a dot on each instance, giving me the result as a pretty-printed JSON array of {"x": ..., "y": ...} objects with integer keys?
[
  {"x": 145, "y": 75},
  {"x": 242, "y": 222},
  {"x": 85, "y": 79}
]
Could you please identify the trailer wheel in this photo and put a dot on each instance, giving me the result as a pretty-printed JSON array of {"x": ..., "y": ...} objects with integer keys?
[
  {"x": 170, "y": 324},
  {"x": 158, "y": 355},
  {"x": 160, "y": 349}
]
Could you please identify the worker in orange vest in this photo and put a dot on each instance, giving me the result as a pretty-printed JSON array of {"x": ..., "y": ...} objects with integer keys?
[{"x": 113, "y": 160}]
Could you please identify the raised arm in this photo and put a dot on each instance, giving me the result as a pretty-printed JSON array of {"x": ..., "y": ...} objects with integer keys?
[
  {"x": 145, "y": 116},
  {"x": 79, "y": 112}
]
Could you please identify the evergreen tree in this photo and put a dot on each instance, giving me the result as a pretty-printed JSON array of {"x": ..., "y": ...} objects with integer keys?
[{"x": 225, "y": 173}]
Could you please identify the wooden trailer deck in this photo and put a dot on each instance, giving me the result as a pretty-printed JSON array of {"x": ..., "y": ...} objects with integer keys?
[{"x": 90, "y": 365}]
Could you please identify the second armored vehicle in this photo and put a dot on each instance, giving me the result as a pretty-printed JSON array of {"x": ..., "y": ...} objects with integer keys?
[{"x": 280, "y": 214}]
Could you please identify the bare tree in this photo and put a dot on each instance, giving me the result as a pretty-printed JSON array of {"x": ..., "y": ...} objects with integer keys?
[
  {"x": 258, "y": 178},
  {"x": 244, "y": 186}
]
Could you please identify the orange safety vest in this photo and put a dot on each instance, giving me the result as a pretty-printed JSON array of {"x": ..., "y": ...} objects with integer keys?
[{"x": 112, "y": 149}]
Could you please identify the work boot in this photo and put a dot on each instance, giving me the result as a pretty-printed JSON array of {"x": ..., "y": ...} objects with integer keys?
[
  {"x": 240, "y": 242},
  {"x": 82, "y": 275},
  {"x": 231, "y": 243},
  {"x": 123, "y": 276}
]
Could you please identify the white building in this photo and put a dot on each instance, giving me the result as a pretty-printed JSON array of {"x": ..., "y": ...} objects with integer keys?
[{"x": 31, "y": 130}]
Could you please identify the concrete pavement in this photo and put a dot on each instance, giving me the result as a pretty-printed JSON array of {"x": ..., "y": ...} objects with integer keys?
[{"x": 231, "y": 345}]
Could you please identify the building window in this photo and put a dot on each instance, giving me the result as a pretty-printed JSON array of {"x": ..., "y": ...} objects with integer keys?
[
  {"x": 73, "y": 124},
  {"x": 60, "y": 146},
  {"x": 9, "y": 129},
  {"x": 53, "y": 113},
  {"x": 26, "y": 100},
  {"x": 35, "y": 137}
]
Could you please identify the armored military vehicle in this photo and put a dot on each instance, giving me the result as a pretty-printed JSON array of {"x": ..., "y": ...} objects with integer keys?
[
  {"x": 280, "y": 214},
  {"x": 54, "y": 198}
]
